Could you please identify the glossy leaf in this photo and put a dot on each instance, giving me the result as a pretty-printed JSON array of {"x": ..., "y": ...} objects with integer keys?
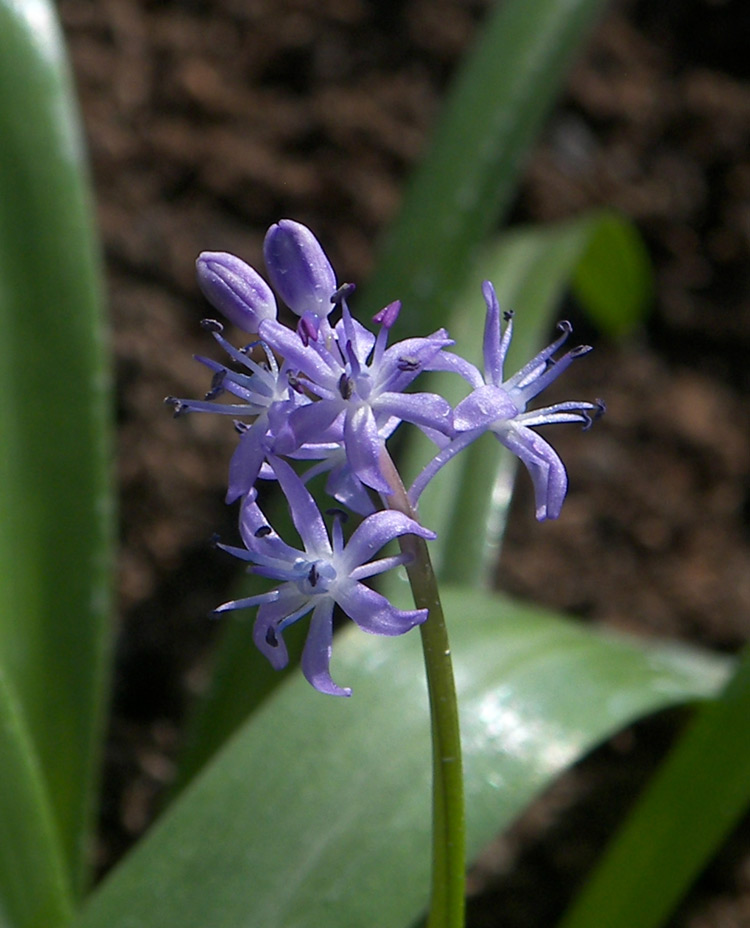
[
  {"x": 695, "y": 799},
  {"x": 317, "y": 811},
  {"x": 55, "y": 494}
]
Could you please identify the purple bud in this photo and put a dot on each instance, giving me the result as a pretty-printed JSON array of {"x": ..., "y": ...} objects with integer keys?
[
  {"x": 235, "y": 289},
  {"x": 299, "y": 269}
]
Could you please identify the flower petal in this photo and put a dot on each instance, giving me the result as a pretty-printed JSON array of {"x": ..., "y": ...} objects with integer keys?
[
  {"x": 375, "y": 532},
  {"x": 316, "y": 655},
  {"x": 305, "y": 513},
  {"x": 482, "y": 407},
  {"x": 543, "y": 463},
  {"x": 245, "y": 463},
  {"x": 374, "y": 614},
  {"x": 425, "y": 410},
  {"x": 363, "y": 446}
]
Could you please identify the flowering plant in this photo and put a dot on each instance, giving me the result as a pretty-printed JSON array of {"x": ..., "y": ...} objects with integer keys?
[{"x": 299, "y": 809}]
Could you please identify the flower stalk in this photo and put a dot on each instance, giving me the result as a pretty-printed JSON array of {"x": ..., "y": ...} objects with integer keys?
[{"x": 448, "y": 884}]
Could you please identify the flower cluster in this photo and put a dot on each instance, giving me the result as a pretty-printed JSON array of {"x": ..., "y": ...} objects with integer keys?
[{"x": 332, "y": 393}]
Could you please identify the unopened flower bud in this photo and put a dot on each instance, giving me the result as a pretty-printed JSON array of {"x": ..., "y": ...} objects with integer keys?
[{"x": 235, "y": 289}]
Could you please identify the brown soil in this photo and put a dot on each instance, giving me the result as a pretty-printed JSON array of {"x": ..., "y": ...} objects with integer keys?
[{"x": 207, "y": 121}]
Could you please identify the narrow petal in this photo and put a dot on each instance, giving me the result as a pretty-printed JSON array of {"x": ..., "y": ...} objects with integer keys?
[
  {"x": 245, "y": 463},
  {"x": 310, "y": 423},
  {"x": 455, "y": 364},
  {"x": 493, "y": 357},
  {"x": 298, "y": 268},
  {"x": 543, "y": 463},
  {"x": 425, "y": 410},
  {"x": 363, "y": 447},
  {"x": 375, "y": 532},
  {"x": 316, "y": 656},
  {"x": 461, "y": 441},
  {"x": 287, "y": 343},
  {"x": 374, "y": 614},
  {"x": 305, "y": 513},
  {"x": 235, "y": 289}
]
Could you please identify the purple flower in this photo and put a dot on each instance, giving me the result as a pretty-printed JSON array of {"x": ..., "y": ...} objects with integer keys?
[
  {"x": 327, "y": 573},
  {"x": 359, "y": 384},
  {"x": 499, "y": 406},
  {"x": 264, "y": 392}
]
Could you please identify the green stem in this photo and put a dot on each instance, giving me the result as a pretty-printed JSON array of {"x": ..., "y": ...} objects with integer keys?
[{"x": 448, "y": 820}]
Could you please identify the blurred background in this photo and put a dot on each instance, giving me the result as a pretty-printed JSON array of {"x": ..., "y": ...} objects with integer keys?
[{"x": 208, "y": 120}]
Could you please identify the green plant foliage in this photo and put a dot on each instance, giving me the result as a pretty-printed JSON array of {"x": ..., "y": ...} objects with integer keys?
[
  {"x": 490, "y": 120},
  {"x": 613, "y": 278},
  {"x": 317, "y": 811},
  {"x": 34, "y": 885},
  {"x": 55, "y": 495},
  {"x": 696, "y": 798}
]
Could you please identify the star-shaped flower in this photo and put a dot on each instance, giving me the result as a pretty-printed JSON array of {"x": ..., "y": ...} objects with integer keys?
[
  {"x": 326, "y": 573},
  {"x": 499, "y": 406}
]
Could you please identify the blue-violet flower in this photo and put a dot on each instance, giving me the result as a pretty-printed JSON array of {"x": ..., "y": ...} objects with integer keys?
[
  {"x": 499, "y": 406},
  {"x": 328, "y": 572}
]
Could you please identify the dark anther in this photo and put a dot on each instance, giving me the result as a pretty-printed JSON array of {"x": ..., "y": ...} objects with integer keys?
[
  {"x": 407, "y": 364},
  {"x": 246, "y": 349},
  {"x": 294, "y": 383},
  {"x": 217, "y": 385},
  {"x": 211, "y": 325},
  {"x": 313, "y": 576},
  {"x": 240, "y": 427},
  {"x": 601, "y": 408},
  {"x": 346, "y": 388},
  {"x": 587, "y": 422},
  {"x": 580, "y": 350},
  {"x": 263, "y": 531},
  {"x": 336, "y": 513},
  {"x": 508, "y": 315},
  {"x": 343, "y": 292},
  {"x": 214, "y": 540},
  {"x": 564, "y": 326},
  {"x": 178, "y": 406},
  {"x": 271, "y": 638}
]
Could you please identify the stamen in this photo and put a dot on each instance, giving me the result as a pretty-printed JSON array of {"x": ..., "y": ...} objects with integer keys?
[
  {"x": 217, "y": 385},
  {"x": 343, "y": 293},
  {"x": 346, "y": 387},
  {"x": 580, "y": 350},
  {"x": 211, "y": 325},
  {"x": 407, "y": 364},
  {"x": 388, "y": 315},
  {"x": 336, "y": 513},
  {"x": 271, "y": 637},
  {"x": 508, "y": 314},
  {"x": 180, "y": 407},
  {"x": 240, "y": 427},
  {"x": 263, "y": 531},
  {"x": 313, "y": 576}
]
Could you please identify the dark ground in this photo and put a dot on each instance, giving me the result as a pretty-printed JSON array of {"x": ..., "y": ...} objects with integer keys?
[{"x": 207, "y": 121}]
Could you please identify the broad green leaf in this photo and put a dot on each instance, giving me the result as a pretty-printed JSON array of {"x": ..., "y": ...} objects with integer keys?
[
  {"x": 613, "y": 279},
  {"x": 317, "y": 811},
  {"x": 689, "y": 808},
  {"x": 491, "y": 118},
  {"x": 34, "y": 885},
  {"x": 55, "y": 495}
]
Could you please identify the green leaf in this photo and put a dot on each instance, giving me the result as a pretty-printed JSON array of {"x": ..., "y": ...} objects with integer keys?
[
  {"x": 613, "y": 279},
  {"x": 55, "y": 492},
  {"x": 34, "y": 885},
  {"x": 317, "y": 811},
  {"x": 689, "y": 808},
  {"x": 493, "y": 114}
]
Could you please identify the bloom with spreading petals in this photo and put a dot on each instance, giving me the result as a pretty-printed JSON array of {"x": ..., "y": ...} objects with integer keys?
[
  {"x": 326, "y": 573},
  {"x": 358, "y": 383},
  {"x": 499, "y": 406},
  {"x": 264, "y": 393}
]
